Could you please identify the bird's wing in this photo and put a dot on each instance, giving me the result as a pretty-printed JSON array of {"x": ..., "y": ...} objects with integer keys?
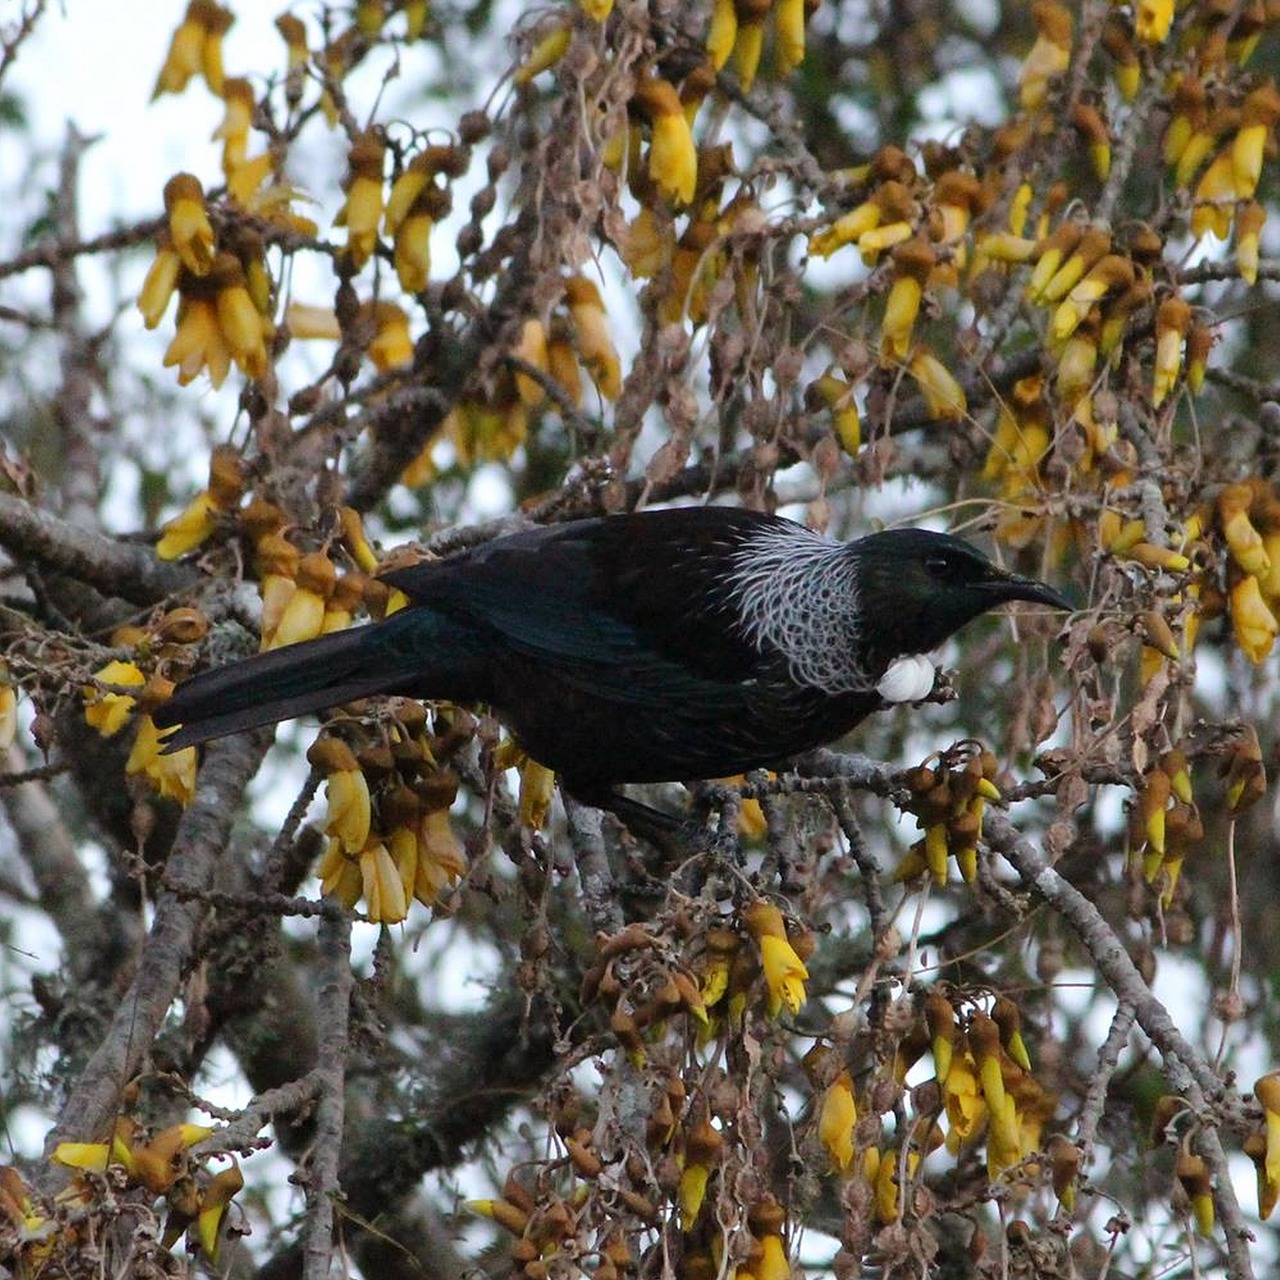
[{"x": 635, "y": 609}]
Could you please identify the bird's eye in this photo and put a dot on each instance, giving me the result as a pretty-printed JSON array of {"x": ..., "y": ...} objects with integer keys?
[{"x": 943, "y": 568}]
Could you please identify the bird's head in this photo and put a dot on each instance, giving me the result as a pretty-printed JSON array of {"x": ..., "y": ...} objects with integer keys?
[{"x": 916, "y": 588}]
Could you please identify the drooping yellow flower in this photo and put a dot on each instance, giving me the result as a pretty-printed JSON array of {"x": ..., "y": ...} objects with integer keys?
[
  {"x": 1253, "y": 623},
  {"x": 105, "y": 711},
  {"x": 160, "y": 283},
  {"x": 1152, "y": 20},
  {"x": 305, "y": 320},
  {"x": 962, "y": 1098},
  {"x": 784, "y": 972},
  {"x": 196, "y": 49},
  {"x": 723, "y": 32},
  {"x": 243, "y": 327},
  {"x": 1267, "y": 1091},
  {"x": 548, "y": 50},
  {"x": 837, "y": 1119},
  {"x": 215, "y": 1199},
  {"x": 943, "y": 395},
  {"x": 190, "y": 230},
  {"x": 591, "y": 334},
  {"x": 441, "y": 859},
  {"x": 198, "y": 342},
  {"x": 913, "y": 262},
  {"x": 362, "y": 209},
  {"x": 392, "y": 343},
  {"x": 673, "y": 158},
  {"x": 172, "y": 775},
  {"x": 385, "y": 897},
  {"x": 349, "y": 809},
  {"x": 1050, "y": 56}
]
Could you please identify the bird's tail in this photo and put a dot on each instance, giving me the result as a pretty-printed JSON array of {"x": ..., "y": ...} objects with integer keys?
[{"x": 300, "y": 678}]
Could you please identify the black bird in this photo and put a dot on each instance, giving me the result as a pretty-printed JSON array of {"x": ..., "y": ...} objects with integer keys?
[{"x": 665, "y": 645}]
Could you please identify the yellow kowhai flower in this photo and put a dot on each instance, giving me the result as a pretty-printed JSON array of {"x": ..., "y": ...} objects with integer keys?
[
  {"x": 193, "y": 526},
  {"x": 963, "y": 1101},
  {"x": 537, "y": 787},
  {"x": 723, "y": 32},
  {"x": 189, "y": 530},
  {"x": 8, "y": 710},
  {"x": 648, "y": 243},
  {"x": 190, "y": 231},
  {"x": 196, "y": 48},
  {"x": 234, "y": 129},
  {"x": 722, "y": 945},
  {"x": 784, "y": 972},
  {"x": 362, "y": 209},
  {"x": 105, "y": 711},
  {"x": 1173, "y": 318},
  {"x": 391, "y": 344},
  {"x": 339, "y": 874},
  {"x": 773, "y": 1264},
  {"x": 943, "y": 395},
  {"x": 302, "y": 617},
  {"x": 673, "y": 158},
  {"x": 591, "y": 334},
  {"x": 385, "y": 894},
  {"x": 531, "y": 348},
  {"x": 243, "y": 326},
  {"x": 305, "y": 320},
  {"x": 562, "y": 361},
  {"x": 1152, "y": 20},
  {"x": 349, "y": 810},
  {"x": 837, "y": 1119},
  {"x": 701, "y": 1154},
  {"x": 1050, "y": 55},
  {"x": 412, "y": 251},
  {"x": 788, "y": 22},
  {"x": 441, "y": 859},
  {"x": 887, "y": 1201},
  {"x": 1111, "y": 274},
  {"x": 546, "y": 52},
  {"x": 160, "y": 283},
  {"x": 1244, "y": 541},
  {"x": 940, "y": 1016},
  {"x": 1249, "y": 221},
  {"x": 173, "y": 775},
  {"x": 831, "y": 391},
  {"x": 913, "y": 261},
  {"x": 1253, "y": 623},
  {"x": 1193, "y": 1174},
  {"x": 277, "y": 566},
  {"x": 1258, "y": 115},
  {"x": 198, "y": 342},
  {"x": 215, "y": 1199}
]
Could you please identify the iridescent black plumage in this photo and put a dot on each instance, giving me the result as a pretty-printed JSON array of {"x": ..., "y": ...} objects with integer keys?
[{"x": 659, "y": 646}]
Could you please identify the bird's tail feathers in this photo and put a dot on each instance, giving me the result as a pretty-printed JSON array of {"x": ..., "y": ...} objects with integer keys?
[{"x": 283, "y": 683}]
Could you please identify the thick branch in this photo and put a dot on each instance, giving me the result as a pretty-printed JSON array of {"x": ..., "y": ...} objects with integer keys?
[
  {"x": 115, "y": 568},
  {"x": 170, "y": 946}
]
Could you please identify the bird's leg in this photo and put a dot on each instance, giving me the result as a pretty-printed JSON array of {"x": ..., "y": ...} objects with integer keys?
[{"x": 669, "y": 834}]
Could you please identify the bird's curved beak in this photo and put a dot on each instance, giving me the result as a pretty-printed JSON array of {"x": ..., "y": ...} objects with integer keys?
[{"x": 1013, "y": 586}]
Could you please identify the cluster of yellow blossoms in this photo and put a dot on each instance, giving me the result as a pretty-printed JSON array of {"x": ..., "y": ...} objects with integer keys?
[
  {"x": 548, "y": 360},
  {"x": 161, "y": 1165},
  {"x": 948, "y": 801},
  {"x": 390, "y": 837},
  {"x": 655, "y": 999},
  {"x": 390, "y": 842}
]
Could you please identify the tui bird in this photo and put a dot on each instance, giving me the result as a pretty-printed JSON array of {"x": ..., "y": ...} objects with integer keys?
[{"x": 664, "y": 645}]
